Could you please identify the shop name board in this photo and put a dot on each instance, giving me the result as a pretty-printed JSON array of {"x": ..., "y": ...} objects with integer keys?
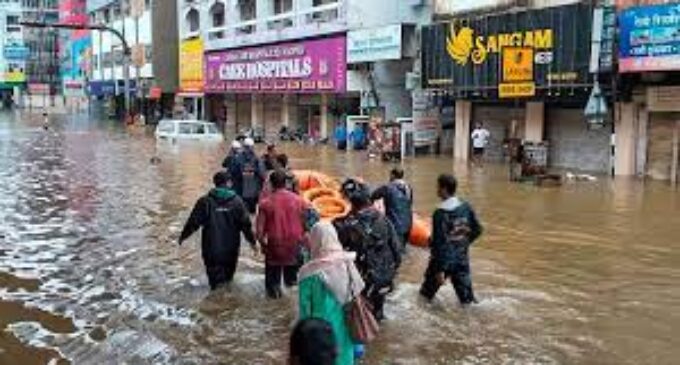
[
  {"x": 16, "y": 52},
  {"x": 533, "y": 50},
  {"x": 463, "y": 45},
  {"x": 649, "y": 38},
  {"x": 191, "y": 65},
  {"x": 302, "y": 67},
  {"x": 368, "y": 45}
]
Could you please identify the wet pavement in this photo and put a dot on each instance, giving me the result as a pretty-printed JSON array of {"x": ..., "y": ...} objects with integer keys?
[{"x": 90, "y": 272}]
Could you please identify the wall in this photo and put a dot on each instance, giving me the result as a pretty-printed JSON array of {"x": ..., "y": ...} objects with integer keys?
[
  {"x": 165, "y": 41},
  {"x": 572, "y": 145},
  {"x": 660, "y": 144},
  {"x": 373, "y": 13}
]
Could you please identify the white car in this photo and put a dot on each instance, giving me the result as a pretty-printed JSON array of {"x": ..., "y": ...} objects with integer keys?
[{"x": 188, "y": 130}]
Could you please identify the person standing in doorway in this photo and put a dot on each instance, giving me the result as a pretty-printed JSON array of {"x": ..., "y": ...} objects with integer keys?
[
  {"x": 223, "y": 217},
  {"x": 454, "y": 228},
  {"x": 480, "y": 141},
  {"x": 280, "y": 230},
  {"x": 397, "y": 196}
]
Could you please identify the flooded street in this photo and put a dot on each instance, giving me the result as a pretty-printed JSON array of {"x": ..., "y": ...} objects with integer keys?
[{"x": 91, "y": 273}]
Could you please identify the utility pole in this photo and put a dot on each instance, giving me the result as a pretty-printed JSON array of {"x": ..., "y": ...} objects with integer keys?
[{"x": 126, "y": 48}]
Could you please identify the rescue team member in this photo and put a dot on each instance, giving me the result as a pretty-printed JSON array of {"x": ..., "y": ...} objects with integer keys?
[
  {"x": 368, "y": 233},
  {"x": 223, "y": 217},
  {"x": 249, "y": 175},
  {"x": 454, "y": 228},
  {"x": 480, "y": 141},
  {"x": 397, "y": 196},
  {"x": 233, "y": 155},
  {"x": 280, "y": 230}
]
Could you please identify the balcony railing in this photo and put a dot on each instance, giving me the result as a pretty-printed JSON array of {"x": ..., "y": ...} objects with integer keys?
[{"x": 266, "y": 28}]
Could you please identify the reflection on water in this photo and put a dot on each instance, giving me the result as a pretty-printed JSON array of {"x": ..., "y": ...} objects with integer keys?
[{"x": 90, "y": 270}]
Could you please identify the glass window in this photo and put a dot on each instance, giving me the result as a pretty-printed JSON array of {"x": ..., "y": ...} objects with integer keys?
[
  {"x": 167, "y": 127},
  {"x": 212, "y": 129},
  {"x": 199, "y": 129},
  {"x": 185, "y": 128}
]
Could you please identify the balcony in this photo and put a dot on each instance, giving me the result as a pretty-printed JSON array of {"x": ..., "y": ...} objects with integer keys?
[{"x": 304, "y": 23}]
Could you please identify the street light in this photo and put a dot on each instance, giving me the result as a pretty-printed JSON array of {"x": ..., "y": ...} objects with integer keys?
[{"x": 126, "y": 48}]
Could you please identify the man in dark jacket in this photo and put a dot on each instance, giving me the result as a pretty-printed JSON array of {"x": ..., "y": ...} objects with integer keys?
[
  {"x": 269, "y": 158},
  {"x": 397, "y": 196},
  {"x": 370, "y": 234},
  {"x": 223, "y": 217},
  {"x": 249, "y": 175},
  {"x": 454, "y": 228}
]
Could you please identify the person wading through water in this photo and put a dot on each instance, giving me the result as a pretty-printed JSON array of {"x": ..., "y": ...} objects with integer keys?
[
  {"x": 223, "y": 217},
  {"x": 327, "y": 283},
  {"x": 368, "y": 233},
  {"x": 454, "y": 228},
  {"x": 397, "y": 196},
  {"x": 280, "y": 230},
  {"x": 249, "y": 175}
]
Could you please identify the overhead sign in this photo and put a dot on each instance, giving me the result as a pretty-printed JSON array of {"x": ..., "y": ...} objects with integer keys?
[
  {"x": 467, "y": 54},
  {"x": 15, "y": 52},
  {"x": 375, "y": 44},
  {"x": 517, "y": 90},
  {"x": 191, "y": 65},
  {"x": 310, "y": 66},
  {"x": 649, "y": 38}
]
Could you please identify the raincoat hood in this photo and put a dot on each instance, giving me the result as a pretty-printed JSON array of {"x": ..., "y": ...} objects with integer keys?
[
  {"x": 222, "y": 193},
  {"x": 451, "y": 204}
]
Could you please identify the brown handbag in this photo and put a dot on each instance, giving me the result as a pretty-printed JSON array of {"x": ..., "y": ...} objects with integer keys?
[{"x": 359, "y": 316}]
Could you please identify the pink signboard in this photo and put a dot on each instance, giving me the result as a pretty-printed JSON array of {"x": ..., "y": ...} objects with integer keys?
[{"x": 313, "y": 66}]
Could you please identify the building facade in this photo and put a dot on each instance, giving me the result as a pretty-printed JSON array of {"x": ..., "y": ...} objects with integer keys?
[
  {"x": 43, "y": 75},
  {"x": 523, "y": 69},
  {"x": 76, "y": 50},
  {"x": 302, "y": 64},
  {"x": 13, "y": 52}
]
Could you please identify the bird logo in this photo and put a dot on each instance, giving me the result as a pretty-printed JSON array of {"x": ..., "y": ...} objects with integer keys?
[{"x": 459, "y": 45}]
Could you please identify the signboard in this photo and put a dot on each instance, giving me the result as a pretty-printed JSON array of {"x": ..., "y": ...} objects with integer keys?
[
  {"x": 517, "y": 90},
  {"x": 313, "y": 66},
  {"x": 466, "y": 54},
  {"x": 39, "y": 89},
  {"x": 16, "y": 52},
  {"x": 138, "y": 55},
  {"x": 426, "y": 131},
  {"x": 14, "y": 76},
  {"x": 191, "y": 65},
  {"x": 649, "y": 38},
  {"x": 518, "y": 73},
  {"x": 368, "y": 45},
  {"x": 102, "y": 88}
]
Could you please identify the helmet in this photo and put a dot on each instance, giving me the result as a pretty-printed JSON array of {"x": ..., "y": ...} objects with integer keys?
[
  {"x": 249, "y": 142},
  {"x": 236, "y": 145}
]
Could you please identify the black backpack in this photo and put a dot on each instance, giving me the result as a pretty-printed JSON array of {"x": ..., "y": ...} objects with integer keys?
[{"x": 375, "y": 257}]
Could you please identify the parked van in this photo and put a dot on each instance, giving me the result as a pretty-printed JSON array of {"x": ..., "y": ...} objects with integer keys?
[{"x": 188, "y": 130}]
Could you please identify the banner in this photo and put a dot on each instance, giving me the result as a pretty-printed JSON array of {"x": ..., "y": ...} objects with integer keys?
[
  {"x": 468, "y": 54},
  {"x": 191, "y": 65},
  {"x": 313, "y": 66},
  {"x": 375, "y": 44},
  {"x": 650, "y": 38}
]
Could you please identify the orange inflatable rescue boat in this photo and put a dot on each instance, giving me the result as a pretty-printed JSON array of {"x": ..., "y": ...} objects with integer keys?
[
  {"x": 330, "y": 207},
  {"x": 420, "y": 232},
  {"x": 315, "y": 193}
]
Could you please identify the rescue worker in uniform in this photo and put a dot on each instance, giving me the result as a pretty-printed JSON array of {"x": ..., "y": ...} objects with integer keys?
[
  {"x": 223, "y": 217},
  {"x": 454, "y": 228},
  {"x": 368, "y": 233},
  {"x": 397, "y": 196}
]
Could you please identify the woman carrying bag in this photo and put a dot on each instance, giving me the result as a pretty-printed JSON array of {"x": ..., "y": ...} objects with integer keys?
[{"x": 329, "y": 285}]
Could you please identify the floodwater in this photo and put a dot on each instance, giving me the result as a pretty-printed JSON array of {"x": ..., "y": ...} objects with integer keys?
[{"x": 90, "y": 272}]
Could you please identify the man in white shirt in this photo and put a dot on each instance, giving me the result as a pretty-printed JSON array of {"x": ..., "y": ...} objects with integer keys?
[{"x": 480, "y": 140}]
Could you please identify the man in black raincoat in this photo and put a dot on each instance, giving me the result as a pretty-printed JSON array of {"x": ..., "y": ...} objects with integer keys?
[
  {"x": 370, "y": 234},
  {"x": 223, "y": 217},
  {"x": 454, "y": 228},
  {"x": 249, "y": 175}
]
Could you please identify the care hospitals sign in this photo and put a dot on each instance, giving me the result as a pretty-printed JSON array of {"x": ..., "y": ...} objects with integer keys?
[{"x": 374, "y": 44}]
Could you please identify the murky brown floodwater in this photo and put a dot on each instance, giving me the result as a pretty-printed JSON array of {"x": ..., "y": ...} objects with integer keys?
[{"x": 586, "y": 273}]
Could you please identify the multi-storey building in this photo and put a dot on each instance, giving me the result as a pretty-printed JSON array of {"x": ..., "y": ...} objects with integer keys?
[
  {"x": 303, "y": 64},
  {"x": 13, "y": 52},
  {"x": 43, "y": 64}
]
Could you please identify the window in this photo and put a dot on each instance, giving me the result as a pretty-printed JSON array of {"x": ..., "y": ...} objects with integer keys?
[
  {"x": 199, "y": 129},
  {"x": 193, "y": 21},
  {"x": 185, "y": 128},
  {"x": 166, "y": 127},
  {"x": 12, "y": 20},
  {"x": 212, "y": 129},
  {"x": 283, "y": 6},
  {"x": 217, "y": 15},
  {"x": 247, "y": 9}
]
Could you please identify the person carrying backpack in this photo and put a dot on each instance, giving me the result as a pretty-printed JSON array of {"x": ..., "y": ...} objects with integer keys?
[
  {"x": 368, "y": 233},
  {"x": 250, "y": 175}
]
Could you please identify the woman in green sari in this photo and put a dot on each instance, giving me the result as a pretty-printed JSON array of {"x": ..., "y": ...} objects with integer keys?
[{"x": 327, "y": 283}]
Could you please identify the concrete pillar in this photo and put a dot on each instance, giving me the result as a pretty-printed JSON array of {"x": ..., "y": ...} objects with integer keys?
[
  {"x": 625, "y": 141},
  {"x": 323, "y": 130},
  {"x": 285, "y": 110},
  {"x": 461, "y": 145},
  {"x": 255, "y": 111},
  {"x": 535, "y": 122},
  {"x": 641, "y": 158}
]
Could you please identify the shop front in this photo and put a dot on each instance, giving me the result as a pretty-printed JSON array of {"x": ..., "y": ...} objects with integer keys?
[
  {"x": 648, "y": 129},
  {"x": 293, "y": 85},
  {"x": 524, "y": 75}
]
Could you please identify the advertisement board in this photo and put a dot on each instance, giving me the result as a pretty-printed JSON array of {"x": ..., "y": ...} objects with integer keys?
[
  {"x": 426, "y": 130},
  {"x": 466, "y": 54},
  {"x": 311, "y": 66},
  {"x": 650, "y": 38},
  {"x": 375, "y": 44},
  {"x": 191, "y": 65}
]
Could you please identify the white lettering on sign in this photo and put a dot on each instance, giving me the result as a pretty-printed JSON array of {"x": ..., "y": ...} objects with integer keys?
[{"x": 276, "y": 69}]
